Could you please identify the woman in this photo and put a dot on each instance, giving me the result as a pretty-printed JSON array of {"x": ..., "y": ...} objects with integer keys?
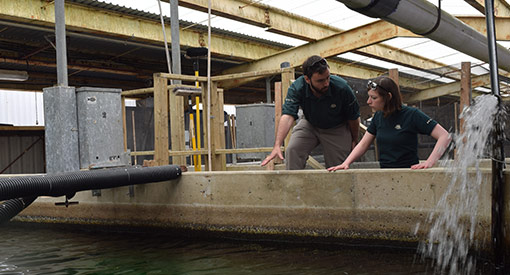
[{"x": 396, "y": 128}]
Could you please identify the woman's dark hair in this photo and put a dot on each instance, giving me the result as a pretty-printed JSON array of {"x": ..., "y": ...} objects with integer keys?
[
  {"x": 385, "y": 86},
  {"x": 314, "y": 64}
]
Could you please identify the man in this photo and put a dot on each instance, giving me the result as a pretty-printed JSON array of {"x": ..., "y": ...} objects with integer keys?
[{"x": 331, "y": 117}]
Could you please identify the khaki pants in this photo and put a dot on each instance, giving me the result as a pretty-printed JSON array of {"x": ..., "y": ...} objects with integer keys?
[{"x": 336, "y": 143}]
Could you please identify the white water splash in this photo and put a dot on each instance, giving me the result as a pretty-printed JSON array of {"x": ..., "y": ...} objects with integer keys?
[{"x": 451, "y": 236}]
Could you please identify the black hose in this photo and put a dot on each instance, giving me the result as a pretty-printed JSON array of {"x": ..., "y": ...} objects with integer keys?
[
  {"x": 11, "y": 208},
  {"x": 71, "y": 182}
]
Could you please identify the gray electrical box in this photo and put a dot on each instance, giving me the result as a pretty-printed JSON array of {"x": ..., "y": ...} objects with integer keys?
[
  {"x": 254, "y": 129},
  {"x": 100, "y": 128}
]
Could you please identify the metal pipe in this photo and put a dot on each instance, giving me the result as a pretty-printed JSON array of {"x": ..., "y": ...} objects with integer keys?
[
  {"x": 174, "y": 35},
  {"x": 60, "y": 39},
  {"x": 268, "y": 89},
  {"x": 209, "y": 156},
  {"x": 498, "y": 153},
  {"x": 422, "y": 17}
]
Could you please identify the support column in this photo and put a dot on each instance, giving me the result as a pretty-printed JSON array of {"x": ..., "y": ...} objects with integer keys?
[
  {"x": 60, "y": 43},
  {"x": 287, "y": 79},
  {"x": 176, "y": 104},
  {"x": 465, "y": 90},
  {"x": 217, "y": 128},
  {"x": 61, "y": 130},
  {"x": 161, "y": 144},
  {"x": 393, "y": 74}
]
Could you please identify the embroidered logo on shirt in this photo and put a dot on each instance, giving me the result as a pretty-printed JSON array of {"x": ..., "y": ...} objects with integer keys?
[
  {"x": 398, "y": 127},
  {"x": 333, "y": 106}
]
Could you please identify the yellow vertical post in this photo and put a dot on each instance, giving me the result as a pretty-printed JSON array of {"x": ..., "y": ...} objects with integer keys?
[
  {"x": 193, "y": 139},
  {"x": 199, "y": 138}
]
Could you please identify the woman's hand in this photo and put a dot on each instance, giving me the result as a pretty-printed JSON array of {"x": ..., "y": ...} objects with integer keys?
[{"x": 342, "y": 166}]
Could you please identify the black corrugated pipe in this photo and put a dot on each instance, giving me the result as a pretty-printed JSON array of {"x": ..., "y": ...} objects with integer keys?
[
  {"x": 71, "y": 182},
  {"x": 11, "y": 208}
]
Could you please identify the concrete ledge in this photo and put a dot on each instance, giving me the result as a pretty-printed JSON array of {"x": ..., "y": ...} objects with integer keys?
[{"x": 367, "y": 204}]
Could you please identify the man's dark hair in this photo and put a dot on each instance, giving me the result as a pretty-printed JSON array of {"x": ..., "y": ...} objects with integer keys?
[{"x": 314, "y": 64}]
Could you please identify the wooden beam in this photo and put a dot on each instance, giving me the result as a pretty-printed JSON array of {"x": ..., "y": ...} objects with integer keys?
[
  {"x": 161, "y": 143},
  {"x": 237, "y": 76},
  {"x": 87, "y": 19},
  {"x": 292, "y": 25},
  {"x": 400, "y": 57},
  {"x": 331, "y": 46},
  {"x": 501, "y": 7},
  {"x": 176, "y": 104},
  {"x": 502, "y": 26},
  {"x": 150, "y": 91},
  {"x": 217, "y": 128},
  {"x": 261, "y": 15},
  {"x": 446, "y": 89}
]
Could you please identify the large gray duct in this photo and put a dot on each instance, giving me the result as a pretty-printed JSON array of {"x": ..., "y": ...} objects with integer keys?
[{"x": 421, "y": 17}]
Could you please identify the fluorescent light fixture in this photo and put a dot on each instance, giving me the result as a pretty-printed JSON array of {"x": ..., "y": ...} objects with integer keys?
[{"x": 11, "y": 75}]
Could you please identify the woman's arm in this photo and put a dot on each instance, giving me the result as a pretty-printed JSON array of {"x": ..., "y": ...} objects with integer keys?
[
  {"x": 443, "y": 140},
  {"x": 358, "y": 151}
]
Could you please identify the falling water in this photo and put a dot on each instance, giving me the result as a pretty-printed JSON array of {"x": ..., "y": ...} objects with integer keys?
[{"x": 451, "y": 236}]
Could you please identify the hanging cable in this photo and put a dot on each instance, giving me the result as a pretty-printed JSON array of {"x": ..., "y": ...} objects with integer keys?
[
  {"x": 166, "y": 43},
  {"x": 209, "y": 158}
]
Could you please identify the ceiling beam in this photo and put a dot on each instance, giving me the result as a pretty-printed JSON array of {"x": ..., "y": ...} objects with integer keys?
[
  {"x": 502, "y": 26},
  {"x": 327, "y": 47},
  {"x": 275, "y": 20},
  {"x": 446, "y": 89},
  {"x": 501, "y": 7},
  {"x": 84, "y": 19},
  {"x": 296, "y": 26}
]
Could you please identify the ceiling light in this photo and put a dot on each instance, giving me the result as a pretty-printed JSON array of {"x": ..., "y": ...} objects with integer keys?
[{"x": 11, "y": 75}]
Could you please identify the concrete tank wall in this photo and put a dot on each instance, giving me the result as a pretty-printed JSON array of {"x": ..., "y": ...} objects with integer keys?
[{"x": 364, "y": 204}]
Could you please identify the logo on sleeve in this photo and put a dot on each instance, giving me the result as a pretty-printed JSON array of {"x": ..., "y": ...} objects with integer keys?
[
  {"x": 333, "y": 106},
  {"x": 397, "y": 127},
  {"x": 428, "y": 121}
]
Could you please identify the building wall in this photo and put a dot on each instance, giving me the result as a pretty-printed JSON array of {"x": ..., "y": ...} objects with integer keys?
[{"x": 12, "y": 146}]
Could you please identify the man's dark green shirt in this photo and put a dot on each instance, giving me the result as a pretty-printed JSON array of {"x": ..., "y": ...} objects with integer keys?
[
  {"x": 332, "y": 109},
  {"x": 397, "y": 136}
]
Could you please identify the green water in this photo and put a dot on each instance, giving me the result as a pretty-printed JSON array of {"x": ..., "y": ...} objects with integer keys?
[{"x": 54, "y": 249}]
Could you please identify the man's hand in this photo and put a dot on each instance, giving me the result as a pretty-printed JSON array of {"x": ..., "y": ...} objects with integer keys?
[{"x": 276, "y": 152}]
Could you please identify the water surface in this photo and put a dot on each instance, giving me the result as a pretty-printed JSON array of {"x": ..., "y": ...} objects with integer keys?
[{"x": 54, "y": 249}]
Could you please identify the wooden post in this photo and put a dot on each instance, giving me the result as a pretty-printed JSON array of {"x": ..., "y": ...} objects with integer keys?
[
  {"x": 287, "y": 79},
  {"x": 219, "y": 162},
  {"x": 393, "y": 74},
  {"x": 465, "y": 89},
  {"x": 178, "y": 142},
  {"x": 205, "y": 122},
  {"x": 277, "y": 111},
  {"x": 161, "y": 144}
]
